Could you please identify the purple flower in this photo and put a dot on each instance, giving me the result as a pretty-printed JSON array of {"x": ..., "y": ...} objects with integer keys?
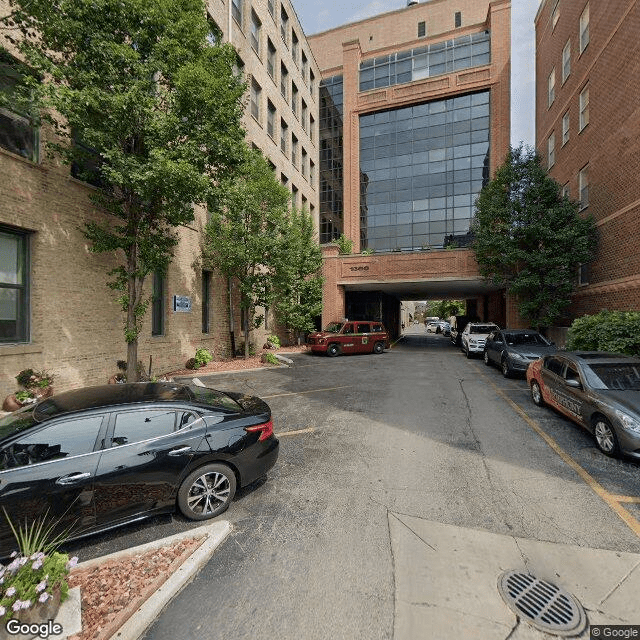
[
  {"x": 22, "y": 561},
  {"x": 44, "y": 597},
  {"x": 14, "y": 554},
  {"x": 72, "y": 563},
  {"x": 41, "y": 586},
  {"x": 13, "y": 567},
  {"x": 36, "y": 565},
  {"x": 17, "y": 605},
  {"x": 25, "y": 604},
  {"x": 2, "y": 611},
  {"x": 11, "y": 591}
]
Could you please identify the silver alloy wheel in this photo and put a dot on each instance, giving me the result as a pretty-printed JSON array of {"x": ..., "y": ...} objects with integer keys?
[
  {"x": 536, "y": 393},
  {"x": 506, "y": 372},
  {"x": 208, "y": 492},
  {"x": 605, "y": 437}
]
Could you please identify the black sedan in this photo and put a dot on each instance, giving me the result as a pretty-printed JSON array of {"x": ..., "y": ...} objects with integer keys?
[
  {"x": 99, "y": 457},
  {"x": 599, "y": 391},
  {"x": 514, "y": 349}
]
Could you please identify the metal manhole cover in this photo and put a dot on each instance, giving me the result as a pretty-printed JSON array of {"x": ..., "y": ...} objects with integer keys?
[{"x": 542, "y": 604}]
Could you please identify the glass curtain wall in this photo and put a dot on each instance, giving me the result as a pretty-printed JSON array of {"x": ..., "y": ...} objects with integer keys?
[
  {"x": 421, "y": 169},
  {"x": 331, "y": 159}
]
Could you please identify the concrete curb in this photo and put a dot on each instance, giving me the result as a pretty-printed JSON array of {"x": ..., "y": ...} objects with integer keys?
[{"x": 151, "y": 608}]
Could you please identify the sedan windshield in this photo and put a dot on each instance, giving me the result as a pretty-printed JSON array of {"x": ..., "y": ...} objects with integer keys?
[
  {"x": 334, "y": 327},
  {"x": 617, "y": 376},
  {"x": 526, "y": 339}
]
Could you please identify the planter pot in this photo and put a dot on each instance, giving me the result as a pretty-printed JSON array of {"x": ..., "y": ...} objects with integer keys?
[
  {"x": 39, "y": 613},
  {"x": 11, "y": 403}
]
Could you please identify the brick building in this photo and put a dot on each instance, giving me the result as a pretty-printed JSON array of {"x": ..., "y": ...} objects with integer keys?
[
  {"x": 56, "y": 312},
  {"x": 588, "y": 130},
  {"x": 414, "y": 119}
]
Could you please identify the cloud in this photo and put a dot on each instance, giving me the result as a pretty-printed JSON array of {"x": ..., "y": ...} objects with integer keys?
[{"x": 374, "y": 8}]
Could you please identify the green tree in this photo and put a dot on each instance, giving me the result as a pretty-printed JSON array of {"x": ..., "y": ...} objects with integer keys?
[
  {"x": 530, "y": 239},
  {"x": 157, "y": 110},
  {"x": 298, "y": 281},
  {"x": 445, "y": 308},
  {"x": 244, "y": 235}
]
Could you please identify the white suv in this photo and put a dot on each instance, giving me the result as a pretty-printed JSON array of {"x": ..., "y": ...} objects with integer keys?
[{"x": 475, "y": 335}]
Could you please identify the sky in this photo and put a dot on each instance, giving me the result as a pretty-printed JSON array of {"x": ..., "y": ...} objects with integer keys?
[{"x": 317, "y": 16}]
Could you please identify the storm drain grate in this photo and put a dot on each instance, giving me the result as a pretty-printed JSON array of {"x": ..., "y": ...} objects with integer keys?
[{"x": 542, "y": 604}]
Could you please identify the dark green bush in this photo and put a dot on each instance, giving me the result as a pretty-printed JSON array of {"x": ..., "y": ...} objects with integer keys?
[{"x": 612, "y": 331}]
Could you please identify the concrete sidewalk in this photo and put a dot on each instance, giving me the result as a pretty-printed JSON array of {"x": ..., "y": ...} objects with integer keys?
[{"x": 446, "y": 581}]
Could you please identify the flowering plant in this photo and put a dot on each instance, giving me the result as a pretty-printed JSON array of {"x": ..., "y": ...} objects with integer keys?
[{"x": 28, "y": 580}]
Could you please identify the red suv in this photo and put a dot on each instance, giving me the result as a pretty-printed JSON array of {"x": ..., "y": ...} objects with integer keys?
[{"x": 350, "y": 337}]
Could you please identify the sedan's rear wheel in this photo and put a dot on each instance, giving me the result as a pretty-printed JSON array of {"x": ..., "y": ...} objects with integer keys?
[
  {"x": 536, "y": 394},
  {"x": 506, "y": 369},
  {"x": 486, "y": 359},
  {"x": 207, "y": 492},
  {"x": 606, "y": 437}
]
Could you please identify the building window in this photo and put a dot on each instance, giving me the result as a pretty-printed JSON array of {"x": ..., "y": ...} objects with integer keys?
[
  {"x": 312, "y": 82},
  {"x": 236, "y": 11},
  {"x": 14, "y": 285},
  {"x": 551, "y": 150},
  {"x": 215, "y": 33},
  {"x": 566, "y": 61},
  {"x": 551, "y": 87},
  {"x": 17, "y": 133},
  {"x": 458, "y": 19},
  {"x": 284, "y": 132},
  {"x": 294, "y": 151},
  {"x": 256, "y": 26},
  {"x": 206, "y": 301},
  {"x": 304, "y": 113},
  {"x": 565, "y": 128},
  {"x": 295, "y": 46},
  {"x": 284, "y": 82},
  {"x": 422, "y": 29},
  {"x": 584, "y": 108},
  {"x": 271, "y": 59},
  {"x": 294, "y": 99},
  {"x": 86, "y": 163},
  {"x": 566, "y": 191},
  {"x": 312, "y": 127},
  {"x": 584, "y": 29},
  {"x": 583, "y": 275},
  {"x": 284, "y": 180},
  {"x": 555, "y": 15},
  {"x": 305, "y": 67},
  {"x": 272, "y": 8},
  {"x": 583, "y": 187},
  {"x": 312, "y": 173},
  {"x": 157, "y": 304},
  {"x": 304, "y": 162},
  {"x": 294, "y": 195},
  {"x": 271, "y": 119},
  {"x": 284, "y": 26},
  {"x": 256, "y": 94}
]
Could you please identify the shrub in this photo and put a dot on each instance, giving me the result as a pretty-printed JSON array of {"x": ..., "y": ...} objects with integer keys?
[
  {"x": 613, "y": 331},
  {"x": 30, "y": 379},
  {"x": 192, "y": 364},
  {"x": 344, "y": 244},
  {"x": 203, "y": 357},
  {"x": 275, "y": 341},
  {"x": 269, "y": 358}
]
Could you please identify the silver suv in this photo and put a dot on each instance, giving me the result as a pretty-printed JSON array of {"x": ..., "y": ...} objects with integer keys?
[{"x": 475, "y": 335}]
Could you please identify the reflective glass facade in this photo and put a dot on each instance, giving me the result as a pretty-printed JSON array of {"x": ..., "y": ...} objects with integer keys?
[
  {"x": 331, "y": 168},
  {"x": 424, "y": 62},
  {"x": 421, "y": 169}
]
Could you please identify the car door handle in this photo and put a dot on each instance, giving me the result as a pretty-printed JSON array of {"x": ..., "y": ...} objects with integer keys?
[
  {"x": 72, "y": 478},
  {"x": 179, "y": 452}
]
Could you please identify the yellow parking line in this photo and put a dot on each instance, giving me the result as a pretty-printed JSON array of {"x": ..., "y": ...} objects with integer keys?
[
  {"x": 627, "y": 499},
  {"x": 298, "y": 393},
  {"x": 595, "y": 486},
  {"x": 295, "y": 433}
]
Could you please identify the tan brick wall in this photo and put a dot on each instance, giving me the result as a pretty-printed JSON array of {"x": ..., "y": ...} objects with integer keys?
[{"x": 609, "y": 144}]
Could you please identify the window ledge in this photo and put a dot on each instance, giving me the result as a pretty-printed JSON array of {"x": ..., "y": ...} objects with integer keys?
[
  {"x": 17, "y": 349},
  {"x": 16, "y": 156}
]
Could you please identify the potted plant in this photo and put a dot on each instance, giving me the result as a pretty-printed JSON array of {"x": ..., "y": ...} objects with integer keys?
[{"x": 36, "y": 386}]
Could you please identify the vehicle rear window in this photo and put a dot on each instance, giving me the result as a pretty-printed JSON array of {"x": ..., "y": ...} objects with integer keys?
[
  {"x": 618, "y": 377},
  {"x": 213, "y": 398}
]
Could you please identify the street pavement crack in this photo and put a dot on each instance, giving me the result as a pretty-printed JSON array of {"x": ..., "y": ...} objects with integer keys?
[
  {"x": 514, "y": 628},
  {"x": 522, "y": 555},
  {"x": 624, "y": 579},
  {"x": 412, "y": 531}
]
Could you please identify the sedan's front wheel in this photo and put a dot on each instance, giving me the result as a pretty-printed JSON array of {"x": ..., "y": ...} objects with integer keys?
[
  {"x": 606, "y": 437},
  {"x": 506, "y": 369},
  {"x": 486, "y": 359},
  {"x": 536, "y": 394},
  {"x": 207, "y": 492}
]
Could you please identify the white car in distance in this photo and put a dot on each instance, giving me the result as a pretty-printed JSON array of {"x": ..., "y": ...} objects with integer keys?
[{"x": 475, "y": 335}]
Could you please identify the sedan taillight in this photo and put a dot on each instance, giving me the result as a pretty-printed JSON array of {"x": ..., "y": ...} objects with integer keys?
[{"x": 265, "y": 430}]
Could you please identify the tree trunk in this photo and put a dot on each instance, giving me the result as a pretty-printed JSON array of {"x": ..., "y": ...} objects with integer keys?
[
  {"x": 131, "y": 335},
  {"x": 245, "y": 330}
]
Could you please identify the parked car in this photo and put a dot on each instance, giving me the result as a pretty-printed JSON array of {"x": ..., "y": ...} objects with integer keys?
[
  {"x": 457, "y": 324},
  {"x": 350, "y": 337},
  {"x": 474, "y": 336},
  {"x": 100, "y": 457},
  {"x": 439, "y": 326},
  {"x": 513, "y": 349},
  {"x": 599, "y": 391}
]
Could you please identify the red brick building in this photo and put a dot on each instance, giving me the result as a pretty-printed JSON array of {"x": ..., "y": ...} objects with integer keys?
[
  {"x": 414, "y": 119},
  {"x": 588, "y": 130}
]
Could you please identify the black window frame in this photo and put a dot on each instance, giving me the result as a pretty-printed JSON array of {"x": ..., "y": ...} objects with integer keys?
[
  {"x": 21, "y": 333},
  {"x": 158, "y": 304},
  {"x": 206, "y": 301}
]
